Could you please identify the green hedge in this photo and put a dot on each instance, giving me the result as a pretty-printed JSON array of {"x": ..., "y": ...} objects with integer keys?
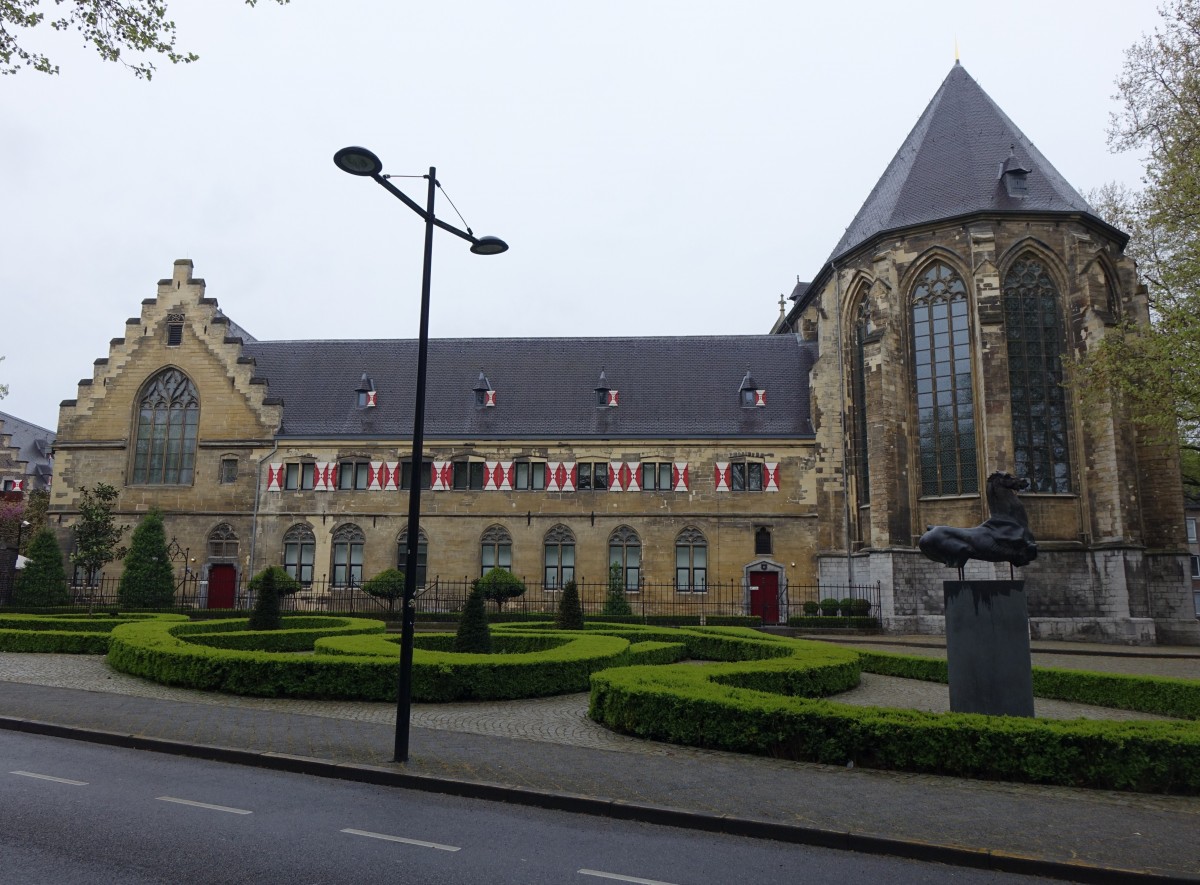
[
  {"x": 835, "y": 622},
  {"x": 65, "y": 634}
]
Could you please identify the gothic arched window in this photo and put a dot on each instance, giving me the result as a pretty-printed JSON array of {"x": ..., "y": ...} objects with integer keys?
[
  {"x": 862, "y": 328},
  {"x": 168, "y": 417},
  {"x": 222, "y": 542},
  {"x": 560, "y": 556},
  {"x": 1039, "y": 404},
  {"x": 422, "y": 554},
  {"x": 348, "y": 542},
  {"x": 945, "y": 399},
  {"x": 299, "y": 546},
  {"x": 691, "y": 561},
  {"x": 495, "y": 549},
  {"x": 625, "y": 551}
]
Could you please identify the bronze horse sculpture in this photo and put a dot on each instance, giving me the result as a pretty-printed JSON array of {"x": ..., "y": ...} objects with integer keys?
[{"x": 1004, "y": 537}]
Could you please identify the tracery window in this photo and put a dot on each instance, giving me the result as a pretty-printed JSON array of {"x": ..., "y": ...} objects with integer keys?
[
  {"x": 422, "y": 554},
  {"x": 495, "y": 549},
  {"x": 862, "y": 328},
  {"x": 222, "y": 542},
  {"x": 691, "y": 561},
  {"x": 168, "y": 417},
  {"x": 945, "y": 398},
  {"x": 348, "y": 542},
  {"x": 625, "y": 550},
  {"x": 559, "y": 545},
  {"x": 1039, "y": 404},
  {"x": 299, "y": 546}
]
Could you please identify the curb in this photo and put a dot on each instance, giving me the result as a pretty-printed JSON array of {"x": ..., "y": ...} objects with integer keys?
[{"x": 910, "y": 849}]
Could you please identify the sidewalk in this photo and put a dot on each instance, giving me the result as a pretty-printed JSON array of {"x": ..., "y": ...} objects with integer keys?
[{"x": 545, "y": 752}]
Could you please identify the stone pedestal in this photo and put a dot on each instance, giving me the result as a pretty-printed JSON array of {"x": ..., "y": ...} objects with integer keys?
[{"x": 987, "y": 648}]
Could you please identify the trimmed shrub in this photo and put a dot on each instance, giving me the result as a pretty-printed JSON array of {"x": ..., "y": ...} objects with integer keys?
[
  {"x": 615, "y": 603},
  {"x": 499, "y": 586},
  {"x": 43, "y": 581},
  {"x": 812, "y": 608},
  {"x": 473, "y": 636},
  {"x": 830, "y": 606},
  {"x": 266, "y": 614},
  {"x": 64, "y": 634},
  {"x": 570, "y": 611},
  {"x": 823, "y": 623},
  {"x": 147, "y": 581},
  {"x": 285, "y": 584},
  {"x": 388, "y": 585}
]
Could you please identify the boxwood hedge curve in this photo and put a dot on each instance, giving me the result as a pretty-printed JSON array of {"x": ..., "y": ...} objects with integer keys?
[{"x": 751, "y": 692}]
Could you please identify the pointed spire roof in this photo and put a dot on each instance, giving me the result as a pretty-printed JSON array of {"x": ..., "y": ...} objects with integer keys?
[{"x": 950, "y": 165}]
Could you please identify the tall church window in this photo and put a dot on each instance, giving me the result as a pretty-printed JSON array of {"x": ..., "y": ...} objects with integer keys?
[
  {"x": 945, "y": 399},
  {"x": 422, "y": 554},
  {"x": 691, "y": 561},
  {"x": 625, "y": 551},
  {"x": 348, "y": 542},
  {"x": 168, "y": 417},
  {"x": 495, "y": 549},
  {"x": 299, "y": 545},
  {"x": 1039, "y": 404},
  {"x": 560, "y": 557},
  {"x": 862, "y": 328}
]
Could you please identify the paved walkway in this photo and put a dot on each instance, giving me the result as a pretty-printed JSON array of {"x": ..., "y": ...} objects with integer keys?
[{"x": 547, "y": 752}]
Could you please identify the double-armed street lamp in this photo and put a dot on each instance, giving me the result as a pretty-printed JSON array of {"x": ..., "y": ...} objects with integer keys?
[{"x": 360, "y": 161}]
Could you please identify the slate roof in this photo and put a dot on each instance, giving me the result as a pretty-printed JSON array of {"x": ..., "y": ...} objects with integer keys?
[
  {"x": 949, "y": 166},
  {"x": 669, "y": 387},
  {"x": 33, "y": 443}
]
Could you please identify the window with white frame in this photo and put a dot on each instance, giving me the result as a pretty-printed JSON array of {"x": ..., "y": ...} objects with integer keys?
[
  {"x": 529, "y": 475},
  {"x": 354, "y": 475},
  {"x": 657, "y": 476},
  {"x": 1196, "y": 566},
  {"x": 299, "y": 476},
  {"x": 1191, "y": 529}
]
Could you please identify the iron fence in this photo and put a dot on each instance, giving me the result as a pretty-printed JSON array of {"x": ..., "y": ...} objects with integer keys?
[{"x": 448, "y": 597}]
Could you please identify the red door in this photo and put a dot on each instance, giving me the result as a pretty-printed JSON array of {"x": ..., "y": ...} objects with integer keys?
[
  {"x": 222, "y": 584},
  {"x": 764, "y": 596}
]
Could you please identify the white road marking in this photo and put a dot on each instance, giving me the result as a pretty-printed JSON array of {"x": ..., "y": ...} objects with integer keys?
[
  {"x": 203, "y": 805},
  {"x": 388, "y": 838},
  {"x": 621, "y": 878},
  {"x": 46, "y": 777}
]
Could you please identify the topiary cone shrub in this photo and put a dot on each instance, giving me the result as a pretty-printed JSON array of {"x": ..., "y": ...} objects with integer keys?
[
  {"x": 570, "y": 610},
  {"x": 473, "y": 636},
  {"x": 615, "y": 604},
  {"x": 266, "y": 604},
  {"x": 147, "y": 581},
  {"x": 43, "y": 581}
]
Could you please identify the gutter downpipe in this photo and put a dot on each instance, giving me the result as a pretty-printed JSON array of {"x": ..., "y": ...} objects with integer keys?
[
  {"x": 841, "y": 349},
  {"x": 257, "y": 493}
]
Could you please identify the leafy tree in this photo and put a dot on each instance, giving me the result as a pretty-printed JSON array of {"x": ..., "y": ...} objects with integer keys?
[
  {"x": 615, "y": 604},
  {"x": 1155, "y": 374},
  {"x": 148, "y": 581},
  {"x": 285, "y": 584},
  {"x": 97, "y": 535},
  {"x": 570, "y": 609},
  {"x": 266, "y": 614},
  {"x": 43, "y": 581},
  {"x": 473, "y": 636},
  {"x": 387, "y": 585},
  {"x": 500, "y": 585},
  {"x": 110, "y": 26}
]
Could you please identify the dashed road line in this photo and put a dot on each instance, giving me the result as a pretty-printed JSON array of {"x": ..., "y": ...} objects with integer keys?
[
  {"x": 618, "y": 877},
  {"x": 224, "y": 808},
  {"x": 47, "y": 777},
  {"x": 388, "y": 838}
]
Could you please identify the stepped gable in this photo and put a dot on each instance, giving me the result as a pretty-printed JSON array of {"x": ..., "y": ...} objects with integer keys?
[
  {"x": 669, "y": 387},
  {"x": 950, "y": 166}
]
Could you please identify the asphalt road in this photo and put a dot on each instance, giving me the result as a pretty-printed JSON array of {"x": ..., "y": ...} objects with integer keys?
[{"x": 83, "y": 813}]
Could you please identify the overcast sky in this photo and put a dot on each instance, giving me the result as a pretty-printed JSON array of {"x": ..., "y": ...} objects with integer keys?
[{"x": 656, "y": 167}]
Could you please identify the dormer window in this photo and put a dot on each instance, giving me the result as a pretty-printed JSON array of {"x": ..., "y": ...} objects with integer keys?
[
  {"x": 606, "y": 397},
  {"x": 750, "y": 394},
  {"x": 366, "y": 392},
  {"x": 485, "y": 395},
  {"x": 1015, "y": 174}
]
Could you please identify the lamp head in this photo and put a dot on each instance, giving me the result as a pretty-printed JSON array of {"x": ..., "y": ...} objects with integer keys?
[
  {"x": 489, "y": 246},
  {"x": 357, "y": 161}
]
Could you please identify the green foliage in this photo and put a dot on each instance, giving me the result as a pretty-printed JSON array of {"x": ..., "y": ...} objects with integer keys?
[
  {"x": 43, "y": 581},
  {"x": 829, "y": 606},
  {"x": 824, "y": 623},
  {"x": 388, "y": 585},
  {"x": 97, "y": 535},
  {"x": 615, "y": 603},
  {"x": 114, "y": 28},
  {"x": 473, "y": 635},
  {"x": 266, "y": 602},
  {"x": 570, "y": 610},
  {"x": 147, "y": 581},
  {"x": 63, "y": 634},
  {"x": 500, "y": 585},
  {"x": 285, "y": 584},
  {"x": 1155, "y": 373}
]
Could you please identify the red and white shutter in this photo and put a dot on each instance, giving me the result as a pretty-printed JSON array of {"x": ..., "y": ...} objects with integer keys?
[
  {"x": 634, "y": 470},
  {"x": 322, "y": 478},
  {"x": 617, "y": 476},
  {"x": 489, "y": 398},
  {"x": 274, "y": 477},
  {"x": 613, "y": 399},
  {"x": 721, "y": 476},
  {"x": 760, "y": 397},
  {"x": 679, "y": 476},
  {"x": 18, "y": 485},
  {"x": 497, "y": 476},
  {"x": 560, "y": 476},
  {"x": 771, "y": 476},
  {"x": 375, "y": 476},
  {"x": 442, "y": 477},
  {"x": 393, "y": 480},
  {"x": 371, "y": 399}
]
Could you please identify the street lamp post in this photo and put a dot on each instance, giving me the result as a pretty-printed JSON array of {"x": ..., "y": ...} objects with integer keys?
[{"x": 360, "y": 161}]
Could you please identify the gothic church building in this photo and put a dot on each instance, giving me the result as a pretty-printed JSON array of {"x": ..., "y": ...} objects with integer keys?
[{"x": 931, "y": 349}]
